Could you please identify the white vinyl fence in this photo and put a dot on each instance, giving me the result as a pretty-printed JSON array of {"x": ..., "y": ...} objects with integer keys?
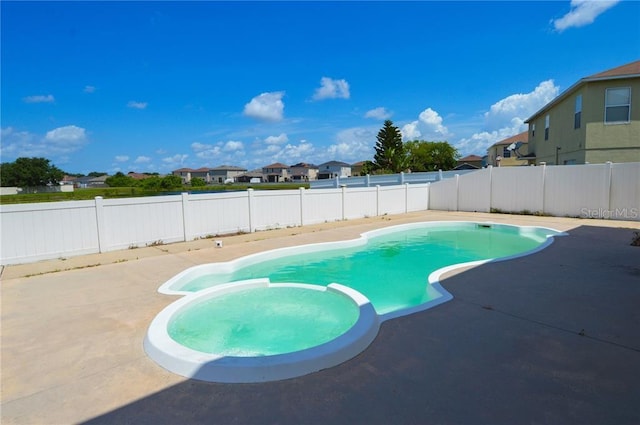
[
  {"x": 608, "y": 191},
  {"x": 32, "y": 232}
]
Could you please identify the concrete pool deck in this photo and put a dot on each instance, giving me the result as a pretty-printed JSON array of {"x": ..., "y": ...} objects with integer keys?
[{"x": 549, "y": 338}]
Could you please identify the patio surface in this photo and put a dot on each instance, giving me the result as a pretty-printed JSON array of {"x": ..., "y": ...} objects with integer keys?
[{"x": 550, "y": 338}]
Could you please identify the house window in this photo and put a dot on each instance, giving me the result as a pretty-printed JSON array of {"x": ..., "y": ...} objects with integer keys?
[
  {"x": 578, "y": 112},
  {"x": 617, "y": 106},
  {"x": 546, "y": 127},
  {"x": 533, "y": 130},
  {"x": 506, "y": 153}
]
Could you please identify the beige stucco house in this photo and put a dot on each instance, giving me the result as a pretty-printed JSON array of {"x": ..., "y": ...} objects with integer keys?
[
  {"x": 509, "y": 152},
  {"x": 594, "y": 121}
]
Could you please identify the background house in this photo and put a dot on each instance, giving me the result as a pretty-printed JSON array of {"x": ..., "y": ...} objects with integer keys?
[
  {"x": 509, "y": 152},
  {"x": 303, "y": 172},
  {"x": 276, "y": 173},
  {"x": 225, "y": 172},
  {"x": 332, "y": 169},
  {"x": 594, "y": 121},
  {"x": 469, "y": 162}
]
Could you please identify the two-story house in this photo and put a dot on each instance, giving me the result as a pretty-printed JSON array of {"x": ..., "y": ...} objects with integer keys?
[
  {"x": 303, "y": 172},
  {"x": 509, "y": 152},
  {"x": 594, "y": 121},
  {"x": 332, "y": 169},
  {"x": 276, "y": 173},
  {"x": 224, "y": 173}
]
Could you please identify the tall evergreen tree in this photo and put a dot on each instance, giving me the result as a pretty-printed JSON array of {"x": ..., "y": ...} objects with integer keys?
[{"x": 390, "y": 155}]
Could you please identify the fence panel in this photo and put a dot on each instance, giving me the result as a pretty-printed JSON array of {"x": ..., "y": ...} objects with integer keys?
[
  {"x": 392, "y": 200},
  {"x": 276, "y": 209},
  {"x": 418, "y": 197},
  {"x": 33, "y": 232},
  {"x": 443, "y": 195},
  {"x": 569, "y": 190},
  {"x": 624, "y": 201},
  {"x": 135, "y": 222},
  {"x": 517, "y": 189},
  {"x": 214, "y": 214},
  {"x": 321, "y": 205},
  {"x": 474, "y": 191},
  {"x": 360, "y": 202}
]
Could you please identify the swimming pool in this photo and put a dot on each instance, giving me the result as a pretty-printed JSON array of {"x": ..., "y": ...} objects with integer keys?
[{"x": 292, "y": 311}]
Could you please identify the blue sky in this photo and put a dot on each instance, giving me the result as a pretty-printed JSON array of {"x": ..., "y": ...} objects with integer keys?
[{"x": 157, "y": 86}]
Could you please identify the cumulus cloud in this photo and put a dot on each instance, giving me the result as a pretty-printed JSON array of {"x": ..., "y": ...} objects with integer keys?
[
  {"x": 266, "y": 107},
  {"x": 352, "y": 145},
  {"x": 121, "y": 158},
  {"x": 277, "y": 140},
  {"x": 89, "y": 89},
  {"x": 232, "y": 146},
  {"x": 55, "y": 144},
  {"x": 332, "y": 89},
  {"x": 39, "y": 99},
  {"x": 220, "y": 152},
  {"x": 137, "y": 105},
  {"x": 175, "y": 161},
  {"x": 378, "y": 113},
  {"x": 583, "y": 12},
  {"x": 142, "y": 160},
  {"x": 428, "y": 126},
  {"x": 506, "y": 117}
]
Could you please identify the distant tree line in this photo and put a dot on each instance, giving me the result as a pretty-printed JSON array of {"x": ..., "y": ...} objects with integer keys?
[
  {"x": 394, "y": 156},
  {"x": 153, "y": 182}
]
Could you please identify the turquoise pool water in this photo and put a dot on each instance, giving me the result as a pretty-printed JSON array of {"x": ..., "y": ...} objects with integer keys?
[
  {"x": 263, "y": 321},
  {"x": 391, "y": 270}
]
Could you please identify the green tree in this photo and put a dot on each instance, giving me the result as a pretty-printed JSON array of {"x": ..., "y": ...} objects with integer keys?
[
  {"x": 120, "y": 180},
  {"x": 430, "y": 156},
  {"x": 198, "y": 182},
  {"x": 171, "y": 182},
  {"x": 390, "y": 155},
  {"x": 29, "y": 172},
  {"x": 96, "y": 174}
]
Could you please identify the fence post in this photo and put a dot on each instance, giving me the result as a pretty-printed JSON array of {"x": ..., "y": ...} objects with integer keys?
[
  {"x": 377, "y": 200},
  {"x": 302, "y": 206},
  {"x": 544, "y": 184},
  {"x": 102, "y": 235},
  {"x": 185, "y": 217},
  {"x": 337, "y": 182},
  {"x": 401, "y": 177},
  {"x": 344, "y": 190},
  {"x": 490, "y": 167},
  {"x": 367, "y": 180},
  {"x": 457, "y": 176},
  {"x": 251, "y": 208},
  {"x": 428, "y": 196},
  {"x": 608, "y": 184},
  {"x": 406, "y": 198},
  {"x": 440, "y": 175}
]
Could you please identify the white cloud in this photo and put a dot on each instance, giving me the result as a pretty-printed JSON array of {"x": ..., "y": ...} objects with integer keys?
[
  {"x": 583, "y": 12},
  {"x": 520, "y": 106},
  {"x": 266, "y": 106},
  {"x": 55, "y": 144},
  {"x": 122, "y": 158},
  {"x": 89, "y": 89},
  {"x": 232, "y": 146},
  {"x": 175, "y": 161},
  {"x": 506, "y": 117},
  {"x": 277, "y": 140},
  {"x": 378, "y": 113},
  {"x": 353, "y": 145},
  {"x": 39, "y": 99},
  {"x": 428, "y": 126},
  {"x": 67, "y": 134},
  {"x": 332, "y": 89},
  {"x": 137, "y": 105},
  {"x": 142, "y": 160}
]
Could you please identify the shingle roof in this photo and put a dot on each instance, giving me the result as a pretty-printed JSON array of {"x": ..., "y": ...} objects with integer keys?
[
  {"x": 629, "y": 69},
  {"x": 521, "y": 137},
  {"x": 276, "y": 165},
  {"x": 470, "y": 158}
]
